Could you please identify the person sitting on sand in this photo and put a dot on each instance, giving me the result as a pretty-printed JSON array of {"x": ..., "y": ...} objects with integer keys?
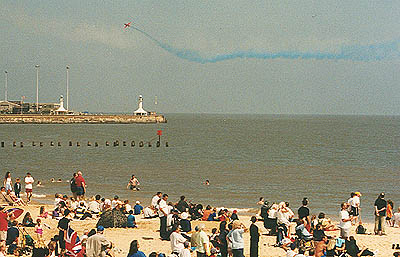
[
  {"x": 81, "y": 212},
  {"x": 131, "y": 220},
  {"x": 134, "y": 250},
  {"x": 149, "y": 213},
  {"x": 206, "y": 213},
  {"x": 185, "y": 222},
  {"x": 94, "y": 206},
  {"x": 301, "y": 230},
  {"x": 318, "y": 233},
  {"x": 116, "y": 202},
  {"x": 42, "y": 213},
  {"x": 137, "y": 209},
  {"x": 27, "y": 221},
  {"x": 325, "y": 222},
  {"x": 354, "y": 251},
  {"x": 213, "y": 215}
]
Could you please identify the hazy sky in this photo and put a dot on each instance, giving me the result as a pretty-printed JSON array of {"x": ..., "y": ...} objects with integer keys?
[{"x": 111, "y": 66}]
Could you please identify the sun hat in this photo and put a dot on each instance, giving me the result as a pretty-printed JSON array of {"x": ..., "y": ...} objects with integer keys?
[
  {"x": 358, "y": 193},
  {"x": 184, "y": 215}
]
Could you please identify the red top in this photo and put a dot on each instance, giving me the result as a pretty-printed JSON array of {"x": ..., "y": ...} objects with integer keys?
[
  {"x": 3, "y": 221},
  {"x": 79, "y": 181}
]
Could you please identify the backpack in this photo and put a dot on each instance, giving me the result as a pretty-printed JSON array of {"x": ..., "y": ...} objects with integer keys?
[{"x": 360, "y": 229}]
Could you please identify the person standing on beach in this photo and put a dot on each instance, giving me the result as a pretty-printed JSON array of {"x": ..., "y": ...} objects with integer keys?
[
  {"x": 304, "y": 214},
  {"x": 8, "y": 182},
  {"x": 80, "y": 186},
  {"x": 345, "y": 221},
  {"x": 201, "y": 241},
  {"x": 162, "y": 214},
  {"x": 254, "y": 237},
  {"x": 155, "y": 199},
  {"x": 354, "y": 203},
  {"x": 380, "y": 213},
  {"x": 235, "y": 236},
  {"x": 72, "y": 184},
  {"x": 17, "y": 188},
  {"x": 63, "y": 225},
  {"x": 28, "y": 186}
]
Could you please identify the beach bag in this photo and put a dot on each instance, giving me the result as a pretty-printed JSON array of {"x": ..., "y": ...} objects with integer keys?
[
  {"x": 360, "y": 229},
  {"x": 28, "y": 240}
]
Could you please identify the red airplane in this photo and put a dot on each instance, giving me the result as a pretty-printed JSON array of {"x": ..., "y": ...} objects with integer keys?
[{"x": 127, "y": 25}]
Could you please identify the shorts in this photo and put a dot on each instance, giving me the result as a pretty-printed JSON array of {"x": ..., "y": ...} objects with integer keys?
[
  {"x": 3, "y": 235},
  {"x": 28, "y": 190},
  {"x": 344, "y": 232},
  {"x": 354, "y": 211},
  {"x": 80, "y": 191},
  {"x": 8, "y": 187}
]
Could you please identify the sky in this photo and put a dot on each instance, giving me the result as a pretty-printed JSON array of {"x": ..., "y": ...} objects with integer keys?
[{"x": 111, "y": 66}]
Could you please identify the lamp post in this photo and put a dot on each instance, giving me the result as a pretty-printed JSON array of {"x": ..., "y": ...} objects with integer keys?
[
  {"x": 67, "y": 86},
  {"x": 37, "y": 87},
  {"x": 6, "y": 86}
]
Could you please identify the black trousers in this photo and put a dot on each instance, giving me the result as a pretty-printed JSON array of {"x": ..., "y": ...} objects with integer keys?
[
  {"x": 163, "y": 228},
  {"x": 253, "y": 248},
  {"x": 61, "y": 239}
]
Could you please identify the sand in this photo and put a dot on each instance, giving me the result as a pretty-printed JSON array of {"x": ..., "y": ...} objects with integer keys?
[{"x": 148, "y": 236}]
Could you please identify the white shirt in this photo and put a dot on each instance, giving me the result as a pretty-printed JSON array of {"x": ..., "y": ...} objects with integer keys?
[
  {"x": 155, "y": 200},
  {"x": 28, "y": 182},
  {"x": 344, "y": 224},
  {"x": 163, "y": 206},
  {"x": 290, "y": 253},
  {"x": 177, "y": 241},
  {"x": 94, "y": 206},
  {"x": 354, "y": 201},
  {"x": 185, "y": 253},
  {"x": 128, "y": 207},
  {"x": 396, "y": 219},
  {"x": 148, "y": 212}
]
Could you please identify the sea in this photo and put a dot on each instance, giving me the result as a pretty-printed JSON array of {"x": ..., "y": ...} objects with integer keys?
[{"x": 245, "y": 157}]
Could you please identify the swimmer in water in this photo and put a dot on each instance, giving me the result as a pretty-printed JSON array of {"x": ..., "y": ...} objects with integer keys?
[
  {"x": 39, "y": 184},
  {"x": 52, "y": 180},
  {"x": 207, "y": 183},
  {"x": 59, "y": 180}
]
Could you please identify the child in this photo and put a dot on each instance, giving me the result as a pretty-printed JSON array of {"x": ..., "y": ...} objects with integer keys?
[
  {"x": 131, "y": 220},
  {"x": 43, "y": 213},
  {"x": 17, "y": 187},
  {"x": 39, "y": 229},
  {"x": 185, "y": 252}
]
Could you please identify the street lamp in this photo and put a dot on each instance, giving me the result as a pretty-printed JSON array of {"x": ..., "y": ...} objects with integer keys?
[
  {"x": 5, "y": 86},
  {"x": 37, "y": 87},
  {"x": 67, "y": 87}
]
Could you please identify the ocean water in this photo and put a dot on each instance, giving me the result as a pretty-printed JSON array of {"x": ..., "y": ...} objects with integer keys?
[{"x": 282, "y": 158}]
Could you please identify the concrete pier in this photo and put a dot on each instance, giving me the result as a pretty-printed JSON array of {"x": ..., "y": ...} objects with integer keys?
[{"x": 72, "y": 119}]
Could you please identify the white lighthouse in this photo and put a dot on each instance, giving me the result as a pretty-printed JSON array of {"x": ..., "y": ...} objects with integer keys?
[
  {"x": 140, "y": 111},
  {"x": 61, "y": 109}
]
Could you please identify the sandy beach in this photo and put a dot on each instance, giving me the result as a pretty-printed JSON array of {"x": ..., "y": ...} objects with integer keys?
[{"x": 148, "y": 236}]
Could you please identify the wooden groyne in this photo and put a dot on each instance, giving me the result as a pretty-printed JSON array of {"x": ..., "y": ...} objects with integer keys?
[{"x": 73, "y": 119}]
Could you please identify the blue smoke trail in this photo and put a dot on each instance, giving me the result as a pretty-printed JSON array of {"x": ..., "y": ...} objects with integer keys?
[{"x": 364, "y": 53}]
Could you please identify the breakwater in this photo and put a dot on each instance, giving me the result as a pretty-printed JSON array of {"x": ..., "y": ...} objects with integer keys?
[{"x": 71, "y": 119}]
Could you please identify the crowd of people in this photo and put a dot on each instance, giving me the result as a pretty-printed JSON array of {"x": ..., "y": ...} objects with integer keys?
[{"x": 299, "y": 234}]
